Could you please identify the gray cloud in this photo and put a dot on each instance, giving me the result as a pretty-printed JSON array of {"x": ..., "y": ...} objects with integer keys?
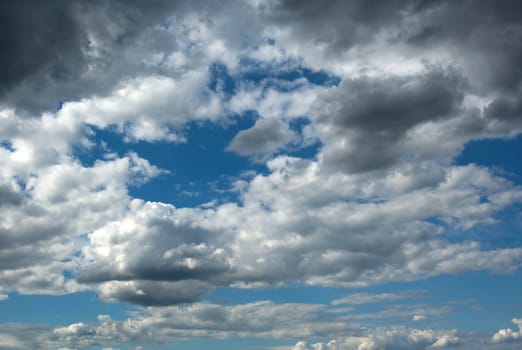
[
  {"x": 349, "y": 22},
  {"x": 364, "y": 120},
  {"x": 265, "y": 137},
  {"x": 419, "y": 80},
  {"x": 9, "y": 196},
  {"x": 154, "y": 293},
  {"x": 46, "y": 40},
  {"x": 74, "y": 49}
]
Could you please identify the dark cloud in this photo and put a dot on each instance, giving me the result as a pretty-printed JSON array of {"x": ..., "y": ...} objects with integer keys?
[
  {"x": 57, "y": 51},
  {"x": 505, "y": 109},
  {"x": 37, "y": 38},
  {"x": 155, "y": 293},
  {"x": 166, "y": 251},
  {"x": 364, "y": 119},
  {"x": 485, "y": 35},
  {"x": 9, "y": 197},
  {"x": 339, "y": 24}
]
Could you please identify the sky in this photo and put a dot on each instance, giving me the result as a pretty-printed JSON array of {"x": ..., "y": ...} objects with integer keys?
[{"x": 260, "y": 175}]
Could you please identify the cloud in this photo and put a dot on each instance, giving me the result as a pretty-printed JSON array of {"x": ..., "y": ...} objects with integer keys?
[
  {"x": 265, "y": 137},
  {"x": 381, "y": 201},
  {"x": 417, "y": 318},
  {"x": 507, "y": 334},
  {"x": 51, "y": 200},
  {"x": 365, "y": 298},
  {"x": 80, "y": 51},
  {"x": 272, "y": 239},
  {"x": 153, "y": 292},
  {"x": 166, "y": 325},
  {"x": 388, "y": 338},
  {"x": 362, "y": 123},
  {"x": 149, "y": 108}
]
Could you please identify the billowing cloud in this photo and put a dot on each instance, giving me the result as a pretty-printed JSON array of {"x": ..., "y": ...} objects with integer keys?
[
  {"x": 393, "y": 338},
  {"x": 509, "y": 335},
  {"x": 374, "y": 101},
  {"x": 79, "y": 42},
  {"x": 364, "y": 121}
]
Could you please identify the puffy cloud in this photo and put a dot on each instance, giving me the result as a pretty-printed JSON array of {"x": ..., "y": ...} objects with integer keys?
[
  {"x": 202, "y": 320},
  {"x": 272, "y": 238},
  {"x": 507, "y": 334},
  {"x": 80, "y": 51},
  {"x": 51, "y": 201},
  {"x": 25, "y": 336},
  {"x": 363, "y": 121},
  {"x": 168, "y": 325},
  {"x": 149, "y": 108},
  {"x": 265, "y": 137},
  {"x": 376, "y": 204},
  {"x": 388, "y": 339}
]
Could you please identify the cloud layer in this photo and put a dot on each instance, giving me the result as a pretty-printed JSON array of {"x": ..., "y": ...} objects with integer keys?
[{"x": 357, "y": 112}]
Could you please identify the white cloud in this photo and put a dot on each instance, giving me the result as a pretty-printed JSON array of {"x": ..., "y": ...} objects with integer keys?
[
  {"x": 374, "y": 205},
  {"x": 149, "y": 108},
  {"x": 387, "y": 338},
  {"x": 365, "y": 298},
  {"x": 417, "y": 318},
  {"x": 202, "y": 320},
  {"x": 508, "y": 334}
]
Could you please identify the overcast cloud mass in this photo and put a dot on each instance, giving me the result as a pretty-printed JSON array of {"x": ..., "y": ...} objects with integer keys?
[{"x": 265, "y": 174}]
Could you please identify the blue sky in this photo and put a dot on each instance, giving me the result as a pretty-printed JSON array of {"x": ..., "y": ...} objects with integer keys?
[{"x": 261, "y": 175}]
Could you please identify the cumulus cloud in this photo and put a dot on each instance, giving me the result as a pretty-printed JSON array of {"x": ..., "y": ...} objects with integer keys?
[
  {"x": 375, "y": 204},
  {"x": 507, "y": 334},
  {"x": 79, "y": 42},
  {"x": 167, "y": 325},
  {"x": 271, "y": 238},
  {"x": 265, "y": 137},
  {"x": 263, "y": 319},
  {"x": 51, "y": 200},
  {"x": 363, "y": 121},
  {"x": 149, "y": 108},
  {"x": 388, "y": 338}
]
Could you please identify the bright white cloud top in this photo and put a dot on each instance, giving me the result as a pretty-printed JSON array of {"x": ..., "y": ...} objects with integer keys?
[{"x": 261, "y": 174}]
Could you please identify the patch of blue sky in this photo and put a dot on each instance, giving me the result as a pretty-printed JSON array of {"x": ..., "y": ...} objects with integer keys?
[
  {"x": 292, "y": 293},
  {"x": 59, "y": 310},
  {"x": 221, "y": 81},
  {"x": 479, "y": 300},
  {"x": 505, "y": 232},
  {"x": 6, "y": 144},
  {"x": 503, "y": 155},
  {"x": 306, "y": 151},
  {"x": 255, "y": 71},
  {"x": 476, "y": 300},
  {"x": 199, "y": 170}
]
